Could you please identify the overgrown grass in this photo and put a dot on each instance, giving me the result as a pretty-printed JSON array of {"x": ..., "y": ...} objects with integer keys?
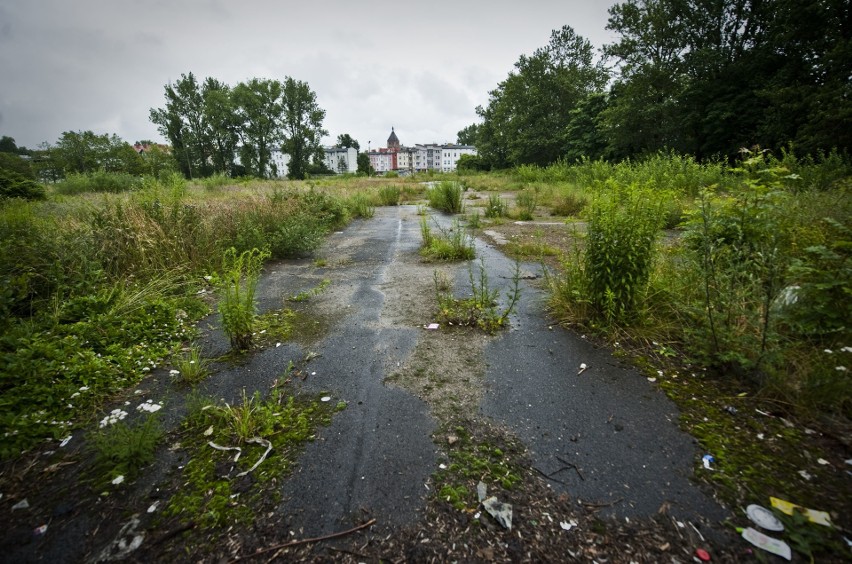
[
  {"x": 446, "y": 196},
  {"x": 481, "y": 309},
  {"x": 95, "y": 291},
  {"x": 449, "y": 244},
  {"x": 253, "y": 425}
]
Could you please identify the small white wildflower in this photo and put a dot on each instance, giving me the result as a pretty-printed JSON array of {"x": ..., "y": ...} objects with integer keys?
[
  {"x": 660, "y": 373},
  {"x": 75, "y": 395},
  {"x": 118, "y": 480},
  {"x": 174, "y": 372},
  {"x": 846, "y": 349},
  {"x": 84, "y": 388},
  {"x": 828, "y": 351},
  {"x": 840, "y": 368},
  {"x": 145, "y": 369}
]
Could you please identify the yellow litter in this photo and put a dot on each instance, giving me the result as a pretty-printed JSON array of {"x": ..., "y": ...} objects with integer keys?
[{"x": 814, "y": 516}]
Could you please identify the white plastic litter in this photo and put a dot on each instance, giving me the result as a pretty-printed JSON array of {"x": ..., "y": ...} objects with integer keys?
[
  {"x": 65, "y": 441},
  {"x": 23, "y": 504},
  {"x": 769, "y": 544},
  {"x": 325, "y": 398},
  {"x": 481, "y": 491},
  {"x": 567, "y": 526},
  {"x": 432, "y": 326},
  {"x": 118, "y": 480},
  {"x": 259, "y": 441},
  {"x": 763, "y": 518}
]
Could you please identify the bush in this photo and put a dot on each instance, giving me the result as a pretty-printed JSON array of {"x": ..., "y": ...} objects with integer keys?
[
  {"x": 360, "y": 206},
  {"x": 14, "y": 185},
  {"x": 623, "y": 226}
]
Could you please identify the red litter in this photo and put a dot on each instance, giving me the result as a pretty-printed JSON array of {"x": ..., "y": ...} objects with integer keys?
[{"x": 702, "y": 554}]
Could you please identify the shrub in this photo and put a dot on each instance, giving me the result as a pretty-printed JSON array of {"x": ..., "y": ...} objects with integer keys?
[
  {"x": 569, "y": 203},
  {"x": 622, "y": 229},
  {"x": 14, "y": 185}
]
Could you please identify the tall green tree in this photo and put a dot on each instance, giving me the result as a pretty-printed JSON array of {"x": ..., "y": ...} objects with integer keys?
[
  {"x": 302, "y": 126},
  {"x": 364, "y": 166},
  {"x": 345, "y": 141},
  {"x": 468, "y": 135},
  {"x": 222, "y": 124},
  {"x": 527, "y": 114},
  {"x": 183, "y": 122},
  {"x": 259, "y": 106}
]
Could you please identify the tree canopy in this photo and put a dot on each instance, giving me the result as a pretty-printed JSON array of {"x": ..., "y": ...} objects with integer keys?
[
  {"x": 209, "y": 123},
  {"x": 704, "y": 77}
]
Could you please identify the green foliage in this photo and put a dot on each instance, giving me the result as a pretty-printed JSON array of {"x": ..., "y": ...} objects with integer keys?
[
  {"x": 360, "y": 206},
  {"x": 312, "y": 293},
  {"x": 481, "y": 309},
  {"x": 446, "y": 196},
  {"x": 473, "y": 220},
  {"x": 389, "y": 195},
  {"x": 98, "y": 181},
  {"x": 496, "y": 206},
  {"x": 285, "y": 421},
  {"x": 123, "y": 449},
  {"x": 14, "y": 185},
  {"x": 11, "y": 162},
  {"x": 623, "y": 227},
  {"x": 450, "y": 244},
  {"x": 527, "y": 200},
  {"x": 238, "y": 282},
  {"x": 190, "y": 367}
]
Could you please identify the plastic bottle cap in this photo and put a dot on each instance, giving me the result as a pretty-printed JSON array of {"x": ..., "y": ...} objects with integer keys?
[{"x": 702, "y": 554}]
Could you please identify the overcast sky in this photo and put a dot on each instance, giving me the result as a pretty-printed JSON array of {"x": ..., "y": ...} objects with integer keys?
[{"x": 421, "y": 67}]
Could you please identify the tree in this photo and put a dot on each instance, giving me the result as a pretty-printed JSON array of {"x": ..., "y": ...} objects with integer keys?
[
  {"x": 8, "y": 145},
  {"x": 259, "y": 105},
  {"x": 468, "y": 135},
  {"x": 528, "y": 112},
  {"x": 12, "y": 162},
  {"x": 184, "y": 123},
  {"x": 302, "y": 126},
  {"x": 364, "y": 166},
  {"x": 345, "y": 141},
  {"x": 222, "y": 124}
]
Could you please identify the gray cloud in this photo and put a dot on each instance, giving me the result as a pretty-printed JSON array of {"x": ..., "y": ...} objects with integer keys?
[{"x": 422, "y": 68}]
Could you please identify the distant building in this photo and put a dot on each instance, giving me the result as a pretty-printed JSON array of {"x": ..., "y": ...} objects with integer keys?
[
  {"x": 342, "y": 160},
  {"x": 420, "y": 158},
  {"x": 281, "y": 161}
]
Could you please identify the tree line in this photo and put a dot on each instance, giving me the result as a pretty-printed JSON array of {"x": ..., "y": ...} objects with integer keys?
[
  {"x": 700, "y": 77},
  {"x": 210, "y": 123}
]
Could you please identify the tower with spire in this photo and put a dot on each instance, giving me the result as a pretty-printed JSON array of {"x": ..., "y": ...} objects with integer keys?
[{"x": 393, "y": 141}]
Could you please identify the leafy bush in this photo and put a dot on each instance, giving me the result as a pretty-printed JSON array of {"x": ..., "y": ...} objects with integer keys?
[
  {"x": 446, "y": 196},
  {"x": 237, "y": 286},
  {"x": 623, "y": 226},
  {"x": 14, "y": 185},
  {"x": 298, "y": 235}
]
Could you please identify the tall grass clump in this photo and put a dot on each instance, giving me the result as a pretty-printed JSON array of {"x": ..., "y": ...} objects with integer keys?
[
  {"x": 449, "y": 244},
  {"x": 526, "y": 201},
  {"x": 237, "y": 286},
  {"x": 496, "y": 207},
  {"x": 389, "y": 195},
  {"x": 446, "y": 196},
  {"x": 360, "y": 206}
]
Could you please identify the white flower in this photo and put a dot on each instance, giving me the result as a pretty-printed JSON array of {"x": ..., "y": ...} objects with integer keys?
[
  {"x": 840, "y": 368},
  {"x": 846, "y": 349},
  {"x": 828, "y": 351},
  {"x": 118, "y": 480}
]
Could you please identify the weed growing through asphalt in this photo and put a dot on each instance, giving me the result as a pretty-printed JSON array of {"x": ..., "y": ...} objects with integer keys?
[
  {"x": 526, "y": 200},
  {"x": 360, "y": 206},
  {"x": 481, "y": 309},
  {"x": 121, "y": 449},
  {"x": 473, "y": 220},
  {"x": 446, "y": 196},
  {"x": 306, "y": 295},
  {"x": 389, "y": 195},
  {"x": 240, "y": 274},
  {"x": 496, "y": 206},
  {"x": 450, "y": 244},
  {"x": 190, "y": 367},
  {"x": 220, "y": 488}
]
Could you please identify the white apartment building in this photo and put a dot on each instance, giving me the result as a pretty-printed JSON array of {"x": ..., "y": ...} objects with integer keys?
[
  {"x": 450, "y": 155},
  {"x": 342, "y": 161},
  {"x": 281, "y": 161}
]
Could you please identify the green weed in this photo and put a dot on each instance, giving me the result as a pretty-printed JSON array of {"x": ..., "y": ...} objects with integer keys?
[
  {"x": 238, "y": 283},
  {"x": 450, "y": 244},
  {"x": 190, "y": 367},
  {"x": 389, "y": 195},
  {"x": 121, "y": 449},
  {"x": 481, "y": 309},
  {"x": 496, "y": 206},
  {"x": 306, "y": 295},
  {"x": 446, "y": 196}
]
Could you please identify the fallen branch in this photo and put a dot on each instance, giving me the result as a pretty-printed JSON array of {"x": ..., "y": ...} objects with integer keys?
[
  {"x": 305, "y": 541},
  {"x": 549, "y": 477},
  {"x": 571, "y": 465},
  {"x": 600, "y": 505}
]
